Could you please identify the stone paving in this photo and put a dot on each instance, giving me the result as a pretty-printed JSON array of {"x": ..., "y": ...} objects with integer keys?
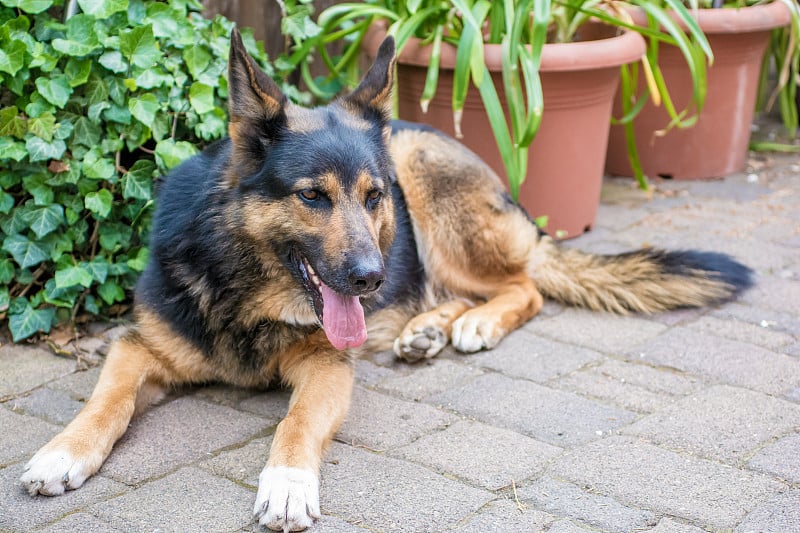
[{"x": 681, "y": 422}]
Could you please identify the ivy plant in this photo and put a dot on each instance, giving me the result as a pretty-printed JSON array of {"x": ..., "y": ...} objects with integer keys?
[{"x": 95, "y": 103}]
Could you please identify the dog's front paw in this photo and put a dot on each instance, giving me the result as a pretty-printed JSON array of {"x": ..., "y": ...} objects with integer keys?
[
  {"x": 51, "y": 472},
  {"x": 287, "y": 499},
  {"x": 475, "y": 331}
]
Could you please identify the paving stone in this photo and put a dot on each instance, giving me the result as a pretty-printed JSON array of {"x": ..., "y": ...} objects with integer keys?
[
  {"x": 505, "y": 515},
  {"x": 78, "y": 385},
  {"x": 437, "y": 376},
  {"x": 23, "y": 435},
  {"x": 724, "y": 360},
  {"x": 679, "y": 316},
  {"x": 178, "y": 432},
  {"x": 556, "y": 417},
  {"x": 766, "y": 318},
  {"x": 776, "y": 293},
  {"x": 779, "y": 515},
  {"x": 54, "y": 406},
  {"x": 80, "y": 523},
  {"x": 189, "y": 499},
  {"x": 665, "y": 482},
  {"x": 23, "y": 368},
  {"x": 567, "y": 526},
  {"x": 386, "y": 494},
  {"x": 781, "y": 458},
  {"x": 369, "y": 374},
  {"x": 531, "y": 357},
  {"x": 483, "y": 455},
  {"x": 231, "y": 396},
  {"x": 792, "y": 349},
  {"x": 742, "y": 331},
  {"x": 630, "y": 385},
  {"x": 242, "y": 464},
  {"x": 325, "y": 524},
  {"x": 565, "y": 499},
  {"x": 598, "y": 331},
  {"x": 381, "y": 422},
  {"x": 667, "y": 525},
  {"x": 20, "y": 512},
  {"x": 271, "y": 405},
  {"x": 722, "y": 422}
]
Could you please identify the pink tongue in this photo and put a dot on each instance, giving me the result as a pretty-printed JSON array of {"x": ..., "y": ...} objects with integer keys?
[{"x": 343, "y": 319}]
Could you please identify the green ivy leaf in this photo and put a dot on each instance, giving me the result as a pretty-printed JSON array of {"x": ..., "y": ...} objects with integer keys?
[
  {"x": 111, "y": 292},
  {"x": 43, "y": 126},
  {"x": 55, "y": 90},
  {"x": 10, "y": 149},
  {"x": 96, "y": 166},
  {"x": 138, "y": 182},
  {"x": 6, "y": 271},
  {"x": 6, "y": 202},
  {"x": 30, "y": 321},
  {"x": 86, "y": 132},
  {"x": 24, "y": 251},
  {"x": 139, "y": 262},
  {"x": 196, "y": 58},
  {"x": 144, "y": 108},
  {"x": 77, "y": 71},
  {"x": 201, "y": 97},
  {"x": 172, "y": 153},
  {"x": 99, "y": 202},
  {"x": 164, "y": 19},
  {"x": 139, "y": 46},
  {"x": 29, "y": 6},
  {"x": 41, "y": 150},
  {"x": 36, "y": 185},
  {"x": 11, "y": 123},
  {"x": 102, "y": 9},
  {"x": 98, "y": 268},
  {"x": 114, "y": 61},
  {"x": 12, "y": 57},
  {"x": 73, "y": 275},
  {"x": 74, "y": 48},
  {"x": 45, "y": 219}
]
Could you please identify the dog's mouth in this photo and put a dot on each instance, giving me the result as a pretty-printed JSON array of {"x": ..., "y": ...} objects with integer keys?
[{"x": 341, "y": 316}]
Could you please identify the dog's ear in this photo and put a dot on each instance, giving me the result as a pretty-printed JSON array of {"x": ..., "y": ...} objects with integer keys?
[
  {"x": 255, "y": 103},
  {"x": 372, "y": 99}
]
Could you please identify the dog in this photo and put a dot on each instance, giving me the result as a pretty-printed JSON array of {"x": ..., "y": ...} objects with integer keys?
[{"x": 311, "y": 236}]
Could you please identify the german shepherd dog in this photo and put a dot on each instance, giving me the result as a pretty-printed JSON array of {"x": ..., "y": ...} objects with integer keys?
[{"x": 313, "y": 235}]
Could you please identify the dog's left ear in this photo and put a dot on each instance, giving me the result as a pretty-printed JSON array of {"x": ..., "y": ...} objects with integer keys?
[
  {"x": 255, "y": 103},
  {"x": 373, "y": 96}
]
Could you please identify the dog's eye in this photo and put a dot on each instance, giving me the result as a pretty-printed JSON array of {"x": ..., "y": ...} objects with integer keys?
[
  {"x": 309, "y": 195},
  {"x": 373, "y": 198}
]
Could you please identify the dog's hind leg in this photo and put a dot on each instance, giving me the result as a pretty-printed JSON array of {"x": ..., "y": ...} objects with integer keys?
[
  {"x": 322, "y": 382},
  {"x": 426, "y": 334}
]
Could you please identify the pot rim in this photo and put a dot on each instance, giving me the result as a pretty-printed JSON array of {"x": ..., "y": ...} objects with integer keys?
[
  {"x": 612, "y": 52},
  {"x": 747, "y": 19}
]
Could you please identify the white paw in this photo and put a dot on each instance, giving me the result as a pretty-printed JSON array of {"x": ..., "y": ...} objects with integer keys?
[
  {"x": 420, "y": 344},
  {"x": 51, "y": 472},
  {"x": 287, "y": 499},
  {"x": 472, "y": 333}
]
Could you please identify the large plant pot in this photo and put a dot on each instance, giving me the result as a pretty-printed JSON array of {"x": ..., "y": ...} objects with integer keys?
[
  {"x": 565, "y": 165},
  {"x": 717, "y": 144}
]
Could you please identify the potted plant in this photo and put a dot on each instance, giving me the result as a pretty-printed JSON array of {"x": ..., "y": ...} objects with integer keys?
[
  {"x": 455, "y": 44},
  {"x": 717, "y": 141}
]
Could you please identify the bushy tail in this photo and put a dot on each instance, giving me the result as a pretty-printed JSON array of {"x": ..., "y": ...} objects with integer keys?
[{"x": 645, "y": 281}]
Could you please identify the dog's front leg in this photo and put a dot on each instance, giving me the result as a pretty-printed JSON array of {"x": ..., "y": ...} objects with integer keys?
[{"x": 288, "y": 487}]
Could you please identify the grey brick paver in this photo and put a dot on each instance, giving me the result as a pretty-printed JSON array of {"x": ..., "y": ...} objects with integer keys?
[
  {"x": 381, "y": 422},
  {"x": 434, "y": 376},
  {"x": 505, "y": 515},
  {"x": 187, "y": 500},
  {"x": 566, "y": 499},
  {"x": 525, "y": 355},
  {"x": 392, "y": 495},
  {"x": 557, "y": 417},
  {"x": 484, "y": 455},
  {"x": 720, "y": 359},
  {"x": 23, "y": 435},
  {"x": 181, "y": 431},
  {"x": 743, "y": 331},
  {"x": 778, "y": 515},
  {"x": 722, "y": 422},
  {"x": 23, "y": 368},
  {"x": 80, "y": 523},
  {"x": 781, "y": 458},
  {"x": 52, "y": 405},
  {"x": 667, "y": 525},
  {"x": 644, "y": 475}
]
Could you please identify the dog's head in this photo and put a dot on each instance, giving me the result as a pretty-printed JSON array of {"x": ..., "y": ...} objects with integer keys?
[{"x": 315, "y": 186}]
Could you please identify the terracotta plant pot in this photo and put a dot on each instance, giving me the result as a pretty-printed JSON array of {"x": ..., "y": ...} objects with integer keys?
[
  {"x": 565, "y": 167},
  {"x": 717, "y": 144}
]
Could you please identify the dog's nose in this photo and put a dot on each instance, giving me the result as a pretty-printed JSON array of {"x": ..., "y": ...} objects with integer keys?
[{"x": 366, "y": 278}]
